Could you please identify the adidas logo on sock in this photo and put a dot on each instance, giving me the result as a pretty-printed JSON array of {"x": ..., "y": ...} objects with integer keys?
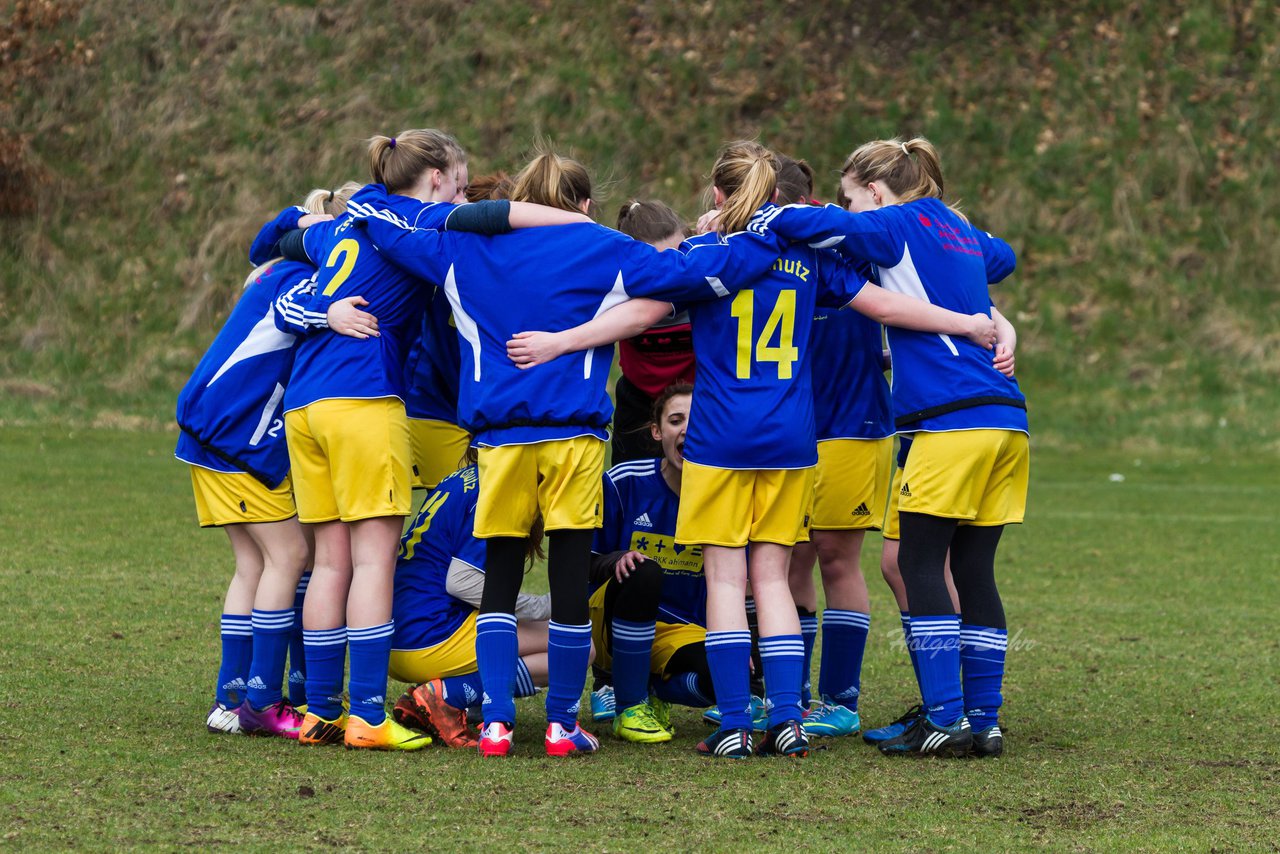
[
  {"x": 643, "y": 521},
  {"x": 374, "y": 701},
  {"x": 487, "y": 700},
  {"x": 470, "y": 694},
  {"x": 297, "y": 678},
  {"x": 257, "y": 684},
  {"x": 862, "y": 510},
  {"x": 236, "y": 684}
]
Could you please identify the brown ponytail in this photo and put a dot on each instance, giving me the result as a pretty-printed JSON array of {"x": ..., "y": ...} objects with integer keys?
[
  {"x": 795, "y": 181},
  {"x": 554, "y": 181},
  {"x": 747, "y": 173},
  {"x": 400, "y": 161},
  {"x": 650, "y": 222}
]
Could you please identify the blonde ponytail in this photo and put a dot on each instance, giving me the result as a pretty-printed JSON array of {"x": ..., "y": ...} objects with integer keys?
[{"x": 747, "y": 173}]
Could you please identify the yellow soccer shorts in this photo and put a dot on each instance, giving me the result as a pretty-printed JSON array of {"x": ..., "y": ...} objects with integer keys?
[
  {"x": 851, "y": 484},
  {"x": 236, "y": 498},
  {"x": 978, "y": 477},
  {"x": 731, "y": 507},
  {"x": 890, "y": 530},
  {"x": 438, "y": 450},
  {"x": 563, "y": 478},
  {"x": 667, "y": 637},
  {"x": 349, "y": 459},
  {"x": 454, "y": 656}
]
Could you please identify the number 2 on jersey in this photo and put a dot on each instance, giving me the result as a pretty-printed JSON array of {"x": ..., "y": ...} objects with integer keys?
[
  {"x": 347, "y": 250},
  {"x": 782, "y": 321}
]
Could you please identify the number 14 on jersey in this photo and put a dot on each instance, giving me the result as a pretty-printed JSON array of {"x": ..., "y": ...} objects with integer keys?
[{"x": 781, "y": 323}]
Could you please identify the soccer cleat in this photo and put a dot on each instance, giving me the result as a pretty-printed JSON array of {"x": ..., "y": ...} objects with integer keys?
[
  {"x": 786, "y": 739},
  {"x": 277, "y": 719},
  {"x": 726, "y": 744},
  {"x": 441, "y": 719},
  {"x": 223, "y": 720},
  {"x": 895, "y": 729},
  {"x": 638, "y": 724},
  {"x": 407, "y": 713},
  {"x": 495, "y": 739},
  {"x": 603, "y": 707},
  {"x": 387, "y": 735},
  {"x": 661, "y": 713},
  {"x": 925, "y": 738},
  {"x": 759, "y": 715},
  {"x": 317, "y": 731},
  {"x": 563, "y": 742},
  {"x": 988, "y": 743},
  {"x": 829, "y": 720}
]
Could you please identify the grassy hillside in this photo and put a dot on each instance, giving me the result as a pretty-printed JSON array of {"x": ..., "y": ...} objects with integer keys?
[{"x": 1122, "y": 150}]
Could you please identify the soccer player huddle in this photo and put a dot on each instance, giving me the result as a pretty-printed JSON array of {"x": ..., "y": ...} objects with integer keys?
[{"x": 429, "y": 332}]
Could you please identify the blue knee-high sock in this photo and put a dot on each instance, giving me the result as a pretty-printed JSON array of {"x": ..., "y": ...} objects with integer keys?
[
  {"x": 937, "y": 641},
  {"x": 496, "y": 654},
  {"x": 326, "y": 665},
  {"x": 237, "y": 652},
  {"x": 271, "y": 633},
  {"x": 684, "y": 689},
  {"x": 524, "y": 680},
  {"x": 982, "y": 653},
  {"x": 463, "y": 691},
  {"x": 367, "y": 683},
  {"x": 783, "y": 657},
  {"x": 729, "y": 659},
  {"x": 912, "y": 653},
  {"x": 809, "y": 631},
  {"x": 632, "y": 650},
  {"x": 844, "y": 640},
  {"x": 297, "y": 649},
  {"x": 568, "y": 654}
]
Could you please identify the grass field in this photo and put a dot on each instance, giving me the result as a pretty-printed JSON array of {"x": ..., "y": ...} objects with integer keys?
[{"x": 1140, "y": 699}]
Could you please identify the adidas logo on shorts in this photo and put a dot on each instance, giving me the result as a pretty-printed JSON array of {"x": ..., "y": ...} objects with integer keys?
[
  {"x": 643, "y": 521},
  {"x": 862, "y": 510}
]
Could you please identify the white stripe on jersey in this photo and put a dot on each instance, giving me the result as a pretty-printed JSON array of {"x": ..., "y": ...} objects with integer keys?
[
  {"x": 265, "y": 421},
  {"x": 263, "y": 338},
  {"x": 465, "y": 323},
  {"x": 616, "y": 296},
  {"x": 903, "y": 278}
]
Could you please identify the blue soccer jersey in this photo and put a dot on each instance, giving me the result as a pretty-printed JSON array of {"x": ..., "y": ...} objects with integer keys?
[
  {"x": 337, "y": 366},
  {"x": 753, "y": 402},
  {"x": 231, "y": 407},
  {"x": 424, "y": 612},
  {"x": 925, "y": 250},
  {"x": 431, "y": 374},
  {"x": 266, "y": 245},
  {"x": 552, "y": 278},
  {"x": 850, "y": 394},
  {"x": 640, "y": 515}
]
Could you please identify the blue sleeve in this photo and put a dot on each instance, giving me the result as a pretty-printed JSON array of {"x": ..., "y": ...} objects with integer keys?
[
  {"x": 839, "y": 281},
  {"x": 863, "y": 235},
  {"x": 706, "y": 271},
  {"x": 264, "y": 245},
  {"x": 609, "y": 535},
  {"x": 295, "y": 309},
  {"x": 419, "y": 251},
  {"x": 997, "y": 255}
]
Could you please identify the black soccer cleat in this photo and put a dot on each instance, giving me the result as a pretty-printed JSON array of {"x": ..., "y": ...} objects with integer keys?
[
  {"x": 925, "y": 738},
  {"x": 988, "y": 743},
  {"x": 726, "y": 744},
  {"x": 786, "y": 739}
]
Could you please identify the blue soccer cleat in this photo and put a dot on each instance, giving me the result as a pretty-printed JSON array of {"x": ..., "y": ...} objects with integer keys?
[
  {"x": 831, "y": 720},
  {"x": 895, "y": 729}
]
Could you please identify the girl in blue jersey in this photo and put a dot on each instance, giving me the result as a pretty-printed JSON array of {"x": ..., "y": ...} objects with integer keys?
[
  {"x": 854, "y": 428},
  {"x": 348, "y": 436},
  {"x": 648, "y": 610},
  {"x": 966, "y": 475},
  {"x": 232, "y": 438},
  {"x": 438, "y": 584},
  {"x": 541, "y": 433},
  {"x": 743, "y": 486}
]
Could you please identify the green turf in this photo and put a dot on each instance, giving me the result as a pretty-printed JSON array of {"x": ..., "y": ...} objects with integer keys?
[{"x": 1140, "y": 699}]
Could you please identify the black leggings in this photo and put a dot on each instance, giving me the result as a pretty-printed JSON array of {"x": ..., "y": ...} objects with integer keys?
[
  {"x": 922, "y": 559},
  {"x": 568, "y": 564}
]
